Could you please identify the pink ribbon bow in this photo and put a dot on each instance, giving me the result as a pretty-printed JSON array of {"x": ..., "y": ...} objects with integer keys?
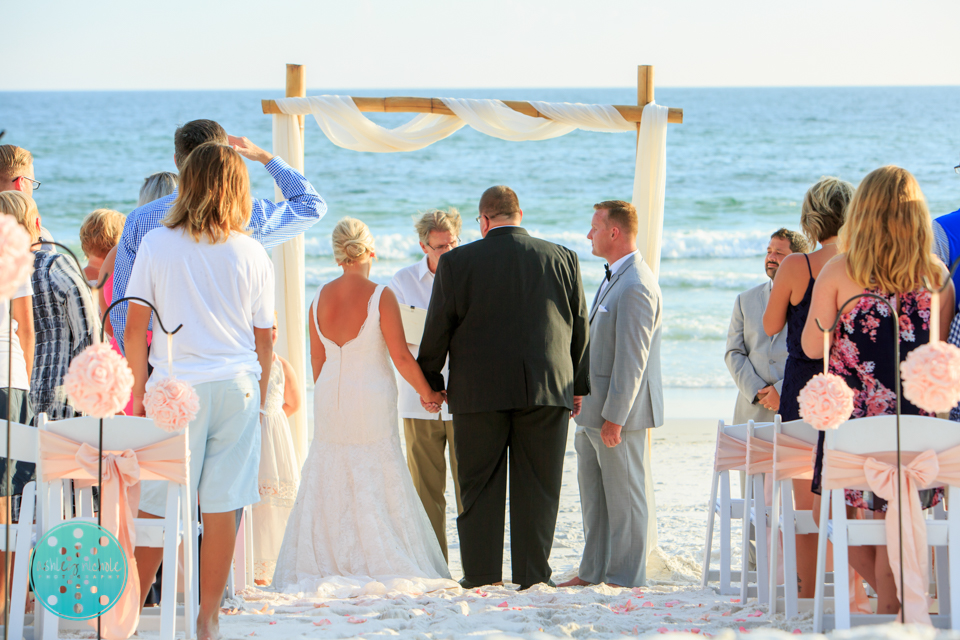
[
  {"x": 119, "y": 502},
  {"x": 919, "y": 471},
  {"x": 759, "y": 456}
]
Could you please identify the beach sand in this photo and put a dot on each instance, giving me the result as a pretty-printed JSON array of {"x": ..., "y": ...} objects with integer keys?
[{"x": 672, "y": 603}]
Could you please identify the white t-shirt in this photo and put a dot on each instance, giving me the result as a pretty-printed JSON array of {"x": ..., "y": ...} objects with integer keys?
[
  {"x": 19, "y": 379},
  {"x": 219, "y": 292},
  {"x": 413, "y": 287}
]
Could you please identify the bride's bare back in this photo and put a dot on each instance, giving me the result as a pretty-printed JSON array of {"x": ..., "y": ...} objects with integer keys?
[
  {"x": 341, "y": 310},
  {"x": 342, "y": 307}
]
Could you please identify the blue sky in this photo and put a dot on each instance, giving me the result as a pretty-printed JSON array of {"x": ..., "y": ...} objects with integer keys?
[{"x": 243, "y": 44}]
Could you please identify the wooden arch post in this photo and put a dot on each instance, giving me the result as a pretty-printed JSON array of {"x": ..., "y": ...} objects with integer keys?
[{"x": 289, "y": 263}]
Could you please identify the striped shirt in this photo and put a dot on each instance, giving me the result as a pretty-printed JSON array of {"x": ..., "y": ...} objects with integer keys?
[
  {"x": 271, "y": 224},
  {"x": 941, "y": 245},
  {"x": 65, "y": 319}
]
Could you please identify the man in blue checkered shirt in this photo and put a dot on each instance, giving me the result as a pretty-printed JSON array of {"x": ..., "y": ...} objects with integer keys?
[{"x": 271, "y": 223}]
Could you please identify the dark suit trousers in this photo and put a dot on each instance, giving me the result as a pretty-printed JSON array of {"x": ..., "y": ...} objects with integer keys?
[{"x": 532, "y": 442}]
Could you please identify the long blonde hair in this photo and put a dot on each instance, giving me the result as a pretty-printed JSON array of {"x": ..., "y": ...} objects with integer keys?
[
  {"x": 887, "y": 237},
  {"x": 214, "y": 196}
]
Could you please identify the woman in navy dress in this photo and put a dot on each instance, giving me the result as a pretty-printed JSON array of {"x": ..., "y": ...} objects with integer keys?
[
  {"x": 887, "y": 246},
  {"x": 821, "y": 218}
]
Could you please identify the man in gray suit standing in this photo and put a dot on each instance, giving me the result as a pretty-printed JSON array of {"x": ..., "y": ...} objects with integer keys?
[
  {"x": 626, "y": 399},
  {"x": 756, "y": 360}
]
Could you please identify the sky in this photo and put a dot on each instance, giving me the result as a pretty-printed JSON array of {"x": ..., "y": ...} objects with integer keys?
[{"x": 244, "y": 44}]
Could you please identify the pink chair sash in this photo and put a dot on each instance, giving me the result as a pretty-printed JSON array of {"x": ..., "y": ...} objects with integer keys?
[
  {"x": 759, "y": 456},
  {"x": 878, "y": 473},
  {"x": 731, "y": 454},
  {"x": 119, "y": 501},
  {"x": 794, "y": 458}
]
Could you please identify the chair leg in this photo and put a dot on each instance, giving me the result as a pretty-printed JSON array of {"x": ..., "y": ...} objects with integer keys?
[
  {"x": 248, "y": 555},
  {"x": 168, "y": 586},
  {"x": 21, "y": 570},
  {"x": 953, "y": 560},
  {"x": 774, "y": 548},
  {"x": 821, "y": 564},
  {"x": 725, "y": 543},
  {"x": 841, "y": 563},
  {"x": 791, "y": 599},
  {"x": 708, "y": 545},
  {"x": 763, "y": 557},
  {"x": 748, "y": 507}
]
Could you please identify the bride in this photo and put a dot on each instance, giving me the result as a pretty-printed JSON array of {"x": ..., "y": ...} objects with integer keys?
[{"x": 357, "y": 519}]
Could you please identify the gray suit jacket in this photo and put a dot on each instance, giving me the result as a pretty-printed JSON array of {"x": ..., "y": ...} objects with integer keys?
[
  {"x": 755, "y": 360},
  {"x": 625, "y": 379}
]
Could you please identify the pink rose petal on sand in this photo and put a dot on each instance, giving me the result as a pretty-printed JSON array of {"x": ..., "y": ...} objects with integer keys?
[
  {"x": 647, "y": 604},
  {"x": 322, "y": 623},
  {"x": 503, "y": 605},
  {"x": 734, "y": 599}
]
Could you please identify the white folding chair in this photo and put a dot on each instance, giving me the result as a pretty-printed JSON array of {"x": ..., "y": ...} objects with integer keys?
[
  {"x": 878, "y": 436},
  {"x": 790, "y": 437},
  {"x": 730, "y": 456},
  {"x": 23, "y": 448},
  {"x": 178, "y": 525},
  {"x": 757, "y": 512}
]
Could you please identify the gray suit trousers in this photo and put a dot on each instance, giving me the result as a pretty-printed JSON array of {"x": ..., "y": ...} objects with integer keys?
[{"x": 614, "y": 508}]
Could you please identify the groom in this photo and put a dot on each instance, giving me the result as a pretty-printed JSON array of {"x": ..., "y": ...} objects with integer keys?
[{"x": 510, "y": 311}]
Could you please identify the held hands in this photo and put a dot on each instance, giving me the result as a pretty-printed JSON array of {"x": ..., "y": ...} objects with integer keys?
[
  {"x": 432, "y": 401},
  {"x": 769, "y": 398},
  {"x": 610, "y": 434},
  {"x": 577, "y": 406},
  {"x": 248, "y": 150}
]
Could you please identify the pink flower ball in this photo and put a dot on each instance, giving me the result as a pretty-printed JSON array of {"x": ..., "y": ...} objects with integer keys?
[
  {"x": 99, "y": 381},
  {"x": 931, "y": 377},
  {"x": 171, "y": 403},
  {"x": 826, "y": 401},
  {"x": 16, "y": 259}
]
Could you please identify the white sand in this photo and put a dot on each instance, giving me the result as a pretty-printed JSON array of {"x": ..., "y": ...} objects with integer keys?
[{"x": 673, "y": 603}]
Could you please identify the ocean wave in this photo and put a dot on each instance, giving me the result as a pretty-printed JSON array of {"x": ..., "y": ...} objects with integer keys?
[
  {"x": 698, "y": 381},
  {"x": 687, "y": 328},
  {"x": 698, "y": 243},
  {"x": 702, "y": 243},
  {"x": 710, "y": 279}
]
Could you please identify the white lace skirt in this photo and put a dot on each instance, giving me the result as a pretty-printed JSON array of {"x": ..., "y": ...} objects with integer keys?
[{"x": 279, "y": 481}]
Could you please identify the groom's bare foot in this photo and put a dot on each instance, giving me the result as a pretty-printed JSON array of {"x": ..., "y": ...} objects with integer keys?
[{"x": 576, "y": 582}]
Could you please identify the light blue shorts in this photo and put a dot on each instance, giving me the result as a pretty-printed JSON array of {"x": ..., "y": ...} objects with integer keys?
[{"x": 224, "y": 449}]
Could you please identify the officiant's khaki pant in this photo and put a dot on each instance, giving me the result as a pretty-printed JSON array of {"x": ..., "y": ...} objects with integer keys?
[{"x": 426, "y": 441}]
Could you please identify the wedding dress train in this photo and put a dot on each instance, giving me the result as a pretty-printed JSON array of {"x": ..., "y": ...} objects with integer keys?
[{"x": 358, "y": 526}]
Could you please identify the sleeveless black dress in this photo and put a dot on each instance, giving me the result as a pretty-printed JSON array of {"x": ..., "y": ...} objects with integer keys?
[{"x": 799, "y": 368}]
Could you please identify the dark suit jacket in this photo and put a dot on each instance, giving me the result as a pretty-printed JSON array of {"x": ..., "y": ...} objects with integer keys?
[{"x": 510, "y": 311}]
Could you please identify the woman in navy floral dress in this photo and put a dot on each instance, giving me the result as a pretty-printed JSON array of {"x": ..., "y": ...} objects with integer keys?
[{"x": 887, "y": 249}]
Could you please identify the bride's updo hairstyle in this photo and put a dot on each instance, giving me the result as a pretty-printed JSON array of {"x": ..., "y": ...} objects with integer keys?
[{"x": 352, "y": 242}]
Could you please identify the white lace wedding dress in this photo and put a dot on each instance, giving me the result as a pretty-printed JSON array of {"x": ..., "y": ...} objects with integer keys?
[{"x": 358, "y": 526}]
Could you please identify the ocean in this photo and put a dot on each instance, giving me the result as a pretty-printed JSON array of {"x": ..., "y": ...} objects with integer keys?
[{"x": 737, "y": 169}]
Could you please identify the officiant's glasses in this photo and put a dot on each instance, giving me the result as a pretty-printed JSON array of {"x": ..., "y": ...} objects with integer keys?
[
  {"x": 446, "y": 247},
  {"x": 36, "y": 183}
]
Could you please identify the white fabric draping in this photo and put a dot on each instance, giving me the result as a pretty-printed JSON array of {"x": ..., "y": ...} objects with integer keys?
[
  {"x": 601, "y": 118},
  {"x": 288, "y": 267},
  {"x": 346, "y": 126},
  {"x": 650, "y": 182},
  {"x": 496, "y": 119}
]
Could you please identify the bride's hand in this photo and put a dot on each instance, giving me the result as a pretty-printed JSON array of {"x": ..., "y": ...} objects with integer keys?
[{"x": 432, "y": 401}]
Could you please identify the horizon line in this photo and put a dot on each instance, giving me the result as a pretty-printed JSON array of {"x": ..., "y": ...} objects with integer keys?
[{"x": 492, "y": 88}]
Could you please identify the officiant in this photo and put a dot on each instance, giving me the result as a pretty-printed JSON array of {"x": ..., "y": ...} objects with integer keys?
[{"x": 428, "y": 434}]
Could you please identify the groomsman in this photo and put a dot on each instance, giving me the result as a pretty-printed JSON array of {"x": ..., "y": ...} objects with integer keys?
[
  {"x": 626, "y": 399},
  {"x": 428, "y": 434},
  {"x": 510, "y": 311},
  {"x": 756, "y": 360}
]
